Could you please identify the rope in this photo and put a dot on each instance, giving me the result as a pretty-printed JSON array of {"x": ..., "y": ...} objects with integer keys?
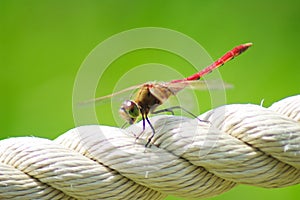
[{"x": 240, "y": 144}]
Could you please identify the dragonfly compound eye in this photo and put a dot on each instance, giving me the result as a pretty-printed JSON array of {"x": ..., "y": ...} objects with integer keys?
[
  {"x": 129, "y": 111},
  {"x": 132, "y": 109}
]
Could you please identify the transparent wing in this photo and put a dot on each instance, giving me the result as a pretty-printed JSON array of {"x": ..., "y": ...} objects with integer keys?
[
  {"x": 163, "y": 90},
  {"x": 198, "y": 85},
  {"x": 107, "y": 97}
]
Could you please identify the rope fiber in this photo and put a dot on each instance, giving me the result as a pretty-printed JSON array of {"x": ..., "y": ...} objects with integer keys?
[{"x": 240, "y": 144}]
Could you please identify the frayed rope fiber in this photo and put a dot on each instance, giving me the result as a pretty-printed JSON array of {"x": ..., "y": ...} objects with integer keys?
[{"x": 240, "y": 144}]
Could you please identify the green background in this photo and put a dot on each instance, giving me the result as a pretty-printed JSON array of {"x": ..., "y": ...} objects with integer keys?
[{"x": 43, "y": 44}]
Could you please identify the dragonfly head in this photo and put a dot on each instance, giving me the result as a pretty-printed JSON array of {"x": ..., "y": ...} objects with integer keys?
[{"x": 129, "y": 111}]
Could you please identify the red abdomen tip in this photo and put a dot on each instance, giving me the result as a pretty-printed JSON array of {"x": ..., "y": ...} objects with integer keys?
[{"x": 244, "y": 47}]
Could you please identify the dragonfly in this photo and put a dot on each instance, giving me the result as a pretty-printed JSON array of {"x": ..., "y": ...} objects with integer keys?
[{"x": 153, "y": 94}]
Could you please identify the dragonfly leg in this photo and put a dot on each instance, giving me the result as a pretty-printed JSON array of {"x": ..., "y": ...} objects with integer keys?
[
  {"x": 164, "y": 110},
  {"x": 153, "y": 132},
  {"x": 181, "y": 108},
  {"x": 123, "y": 126},
  {"x": 145, "y": 118},
  {"x": 144, "y": 127}
]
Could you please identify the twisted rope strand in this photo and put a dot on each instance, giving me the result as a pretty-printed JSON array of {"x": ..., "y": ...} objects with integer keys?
[{"x": 243, "y": 144}]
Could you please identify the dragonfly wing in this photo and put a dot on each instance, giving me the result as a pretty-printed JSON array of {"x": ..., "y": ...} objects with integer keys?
[
  {"x": 161, "y": 91},
  {"x": 107, "y": 97},
  {"x": 198, "y": 85}
]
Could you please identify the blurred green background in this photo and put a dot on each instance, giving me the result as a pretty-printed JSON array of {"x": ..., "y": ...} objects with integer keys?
[{"x": 43, "y": 44}]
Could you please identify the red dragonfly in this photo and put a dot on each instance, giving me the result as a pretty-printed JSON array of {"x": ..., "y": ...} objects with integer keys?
[{"x": 150, "y": 95}]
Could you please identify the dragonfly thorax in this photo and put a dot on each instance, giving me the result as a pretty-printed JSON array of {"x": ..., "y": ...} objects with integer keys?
[{"x": 129, "y": 111}]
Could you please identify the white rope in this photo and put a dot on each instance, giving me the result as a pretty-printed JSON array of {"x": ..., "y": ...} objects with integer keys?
[{"x": 241, "y": 144}]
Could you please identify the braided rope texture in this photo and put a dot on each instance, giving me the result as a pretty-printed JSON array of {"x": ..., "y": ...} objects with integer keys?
[{"x": 233, "y": 144}]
